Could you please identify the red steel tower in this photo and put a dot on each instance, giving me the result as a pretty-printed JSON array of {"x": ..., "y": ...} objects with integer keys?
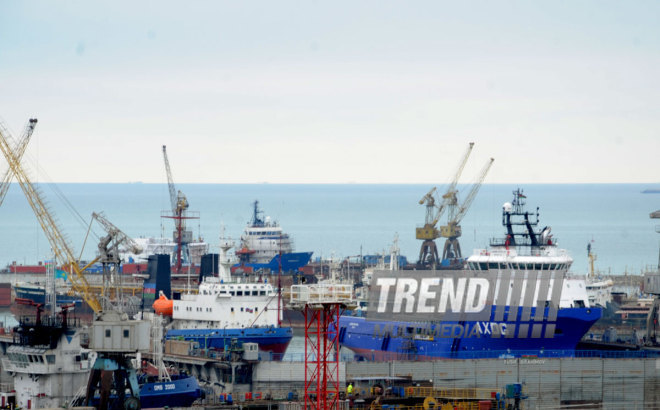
[{"x": 322, "y": 304}]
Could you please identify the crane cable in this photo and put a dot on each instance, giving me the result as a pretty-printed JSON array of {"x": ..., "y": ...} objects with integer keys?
[{"x": 54, "y": 187}]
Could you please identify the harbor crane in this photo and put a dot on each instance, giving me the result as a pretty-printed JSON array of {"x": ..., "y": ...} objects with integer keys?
[
  {"x": 113, "y": 366},
  {"x": 179, "y": 204},
  {"x": 19, "y": 150},
  {"x": 428, "y": 254},
  {"x": 61, "y": 248},
  {"x": 452, "y": 231},
  {"x": 108, "y": 256}
]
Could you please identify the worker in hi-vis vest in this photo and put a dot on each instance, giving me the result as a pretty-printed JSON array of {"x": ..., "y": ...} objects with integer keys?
[{"x": 349, "y": 389}]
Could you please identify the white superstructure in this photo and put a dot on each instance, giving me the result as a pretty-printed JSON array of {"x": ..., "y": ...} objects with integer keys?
[
  {"x": 599, "y": 291},
  {"x": 220, "y": 305},
  {"x": 524, "y": 252},
  {"x": 47, "y": 376},
  {"x": 543, "y": 259},
  {"x": 264, "y": 238}
]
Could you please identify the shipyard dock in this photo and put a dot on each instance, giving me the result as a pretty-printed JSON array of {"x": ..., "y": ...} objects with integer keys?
[{"x": 629, "y": 380}]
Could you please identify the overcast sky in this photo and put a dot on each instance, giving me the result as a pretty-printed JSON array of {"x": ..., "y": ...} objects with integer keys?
[{"x": 334, "y": 91}]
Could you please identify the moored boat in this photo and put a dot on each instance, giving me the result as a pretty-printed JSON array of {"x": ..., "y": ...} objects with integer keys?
[
  {"x": 265, "y": 246},
  {"x": 509, "y": 330}
]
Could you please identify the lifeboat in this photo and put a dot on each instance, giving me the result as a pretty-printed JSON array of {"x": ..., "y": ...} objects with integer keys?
[{"x": 163, "y": 306}]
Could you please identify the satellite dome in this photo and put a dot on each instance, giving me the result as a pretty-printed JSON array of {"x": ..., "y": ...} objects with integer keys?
[{"x": 507, "y": 207}]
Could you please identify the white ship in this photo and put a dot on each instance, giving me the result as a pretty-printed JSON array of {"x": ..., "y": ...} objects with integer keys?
[
  {"x": 264, "y": 238},
  {"x": 598, "y": 288},
  {"x": 221, "y": 311}
]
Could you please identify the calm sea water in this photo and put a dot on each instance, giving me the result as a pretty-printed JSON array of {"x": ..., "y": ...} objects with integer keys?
[{"x": 345, "y": 220}]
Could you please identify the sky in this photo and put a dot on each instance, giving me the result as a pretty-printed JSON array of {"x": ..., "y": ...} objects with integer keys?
[{"x": 334, "y": 91}]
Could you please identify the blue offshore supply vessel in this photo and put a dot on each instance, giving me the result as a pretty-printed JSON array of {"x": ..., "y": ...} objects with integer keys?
[{"x": 509, "y": 331}]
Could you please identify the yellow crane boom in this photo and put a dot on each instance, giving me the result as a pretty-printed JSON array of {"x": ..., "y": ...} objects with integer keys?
[
  {"x": 58, "y": 243},
  {"x": 19, "y": 150},
  {"x": 452, "y": 231},
  {"x": 428, "y": 254}
]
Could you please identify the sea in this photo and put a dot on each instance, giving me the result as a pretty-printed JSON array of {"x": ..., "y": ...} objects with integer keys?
[{"x": 337, "y": 221}]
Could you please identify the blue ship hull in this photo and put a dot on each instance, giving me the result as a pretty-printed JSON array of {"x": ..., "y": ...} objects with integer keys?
[
  {"x": 38, "y": 295},
  {"x": 389, "y": 340},
  {"x": 291, "y": 262},
  {"x": 274, "y": 340},
  {"x": 177, "y": 393}
]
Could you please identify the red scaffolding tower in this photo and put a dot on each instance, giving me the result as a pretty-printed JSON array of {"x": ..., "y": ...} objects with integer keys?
[{"x": 322, "y": 305}]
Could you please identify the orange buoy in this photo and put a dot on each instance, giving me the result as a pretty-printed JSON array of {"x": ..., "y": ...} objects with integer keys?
[{"x": 163, "y": 306}]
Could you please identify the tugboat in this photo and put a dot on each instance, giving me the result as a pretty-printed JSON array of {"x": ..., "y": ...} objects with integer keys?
[{"x": 521, "y": 254}]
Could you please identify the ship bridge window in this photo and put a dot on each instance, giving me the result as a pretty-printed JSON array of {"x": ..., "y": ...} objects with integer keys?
[
  {"x": 483, "y": 266},
  {"x": 50, "y": 358},
  {"x": 579, "y": 303},
  {"x": 239, "y": 293},
  {"x": 493, "y": 265},
  {"x": 538, "y": 266},
  {"x": 262, "y": 293},
  {"x": 232, "y": 293}
]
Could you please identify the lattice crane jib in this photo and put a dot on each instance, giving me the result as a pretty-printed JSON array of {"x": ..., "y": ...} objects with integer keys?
[
  {"x": 58, "y": 243},
  {"x": 452, "y": 231},
  {"x": 450, "y": 199},
  {"x": 19, "y": 150},
  {"x": 428, "y": 254},
  {"x": 179, "y": 204},
  {"x": 170, "y": 181},
  {"x": 119, "y": 238}
]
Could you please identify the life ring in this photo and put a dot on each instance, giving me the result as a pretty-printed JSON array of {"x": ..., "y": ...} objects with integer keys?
[{"x": 430, "y": 403}]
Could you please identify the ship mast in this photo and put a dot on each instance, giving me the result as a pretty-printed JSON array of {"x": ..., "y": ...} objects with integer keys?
[{"x": 279, "y": 284}]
